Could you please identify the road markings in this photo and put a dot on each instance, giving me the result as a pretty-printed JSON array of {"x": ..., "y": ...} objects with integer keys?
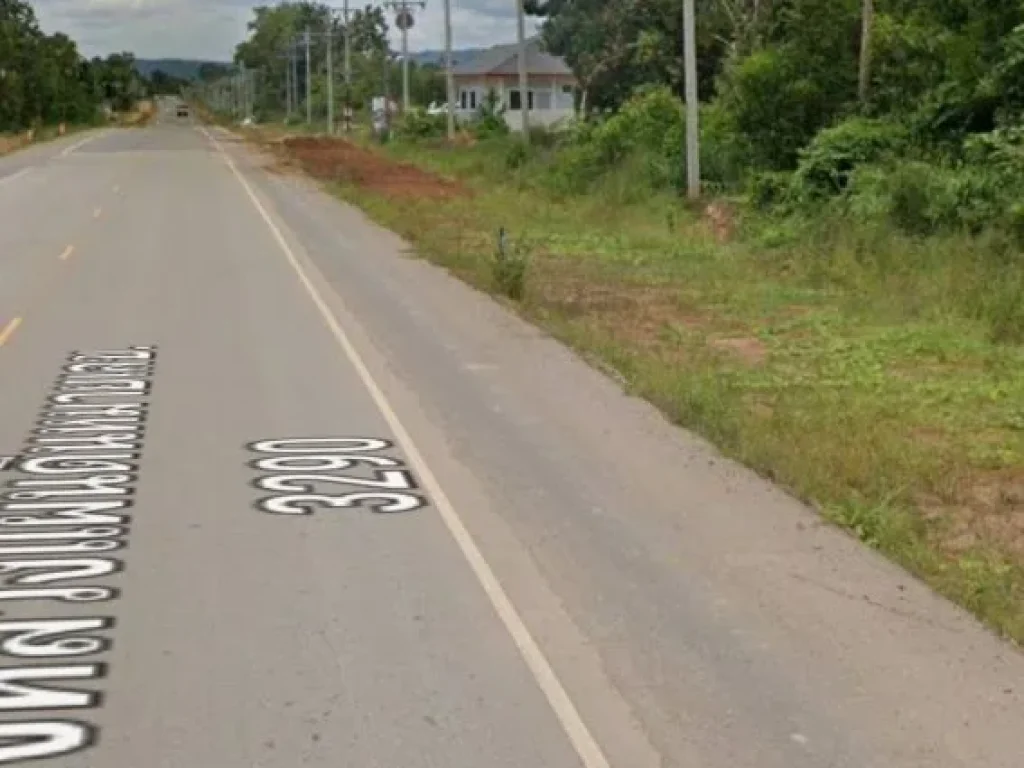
[
  {"x": 586, "y": 746},
  {"x": 9, "y": 330},
  {"x": 78, "y": 145},
  {"x": 67, "y": 253},
  {"x": 97, "y": 213},
  {"x": 15, "y": 175}
]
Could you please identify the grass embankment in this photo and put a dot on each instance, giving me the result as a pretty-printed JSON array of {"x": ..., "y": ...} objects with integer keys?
[{"x": 866, "y": 371}]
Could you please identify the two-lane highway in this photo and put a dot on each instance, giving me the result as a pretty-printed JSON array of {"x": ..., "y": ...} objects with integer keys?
[{"x": 284, "y": 497}]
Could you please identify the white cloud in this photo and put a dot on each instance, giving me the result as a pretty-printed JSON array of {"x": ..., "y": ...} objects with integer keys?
[{"x": 210, "y": 29}]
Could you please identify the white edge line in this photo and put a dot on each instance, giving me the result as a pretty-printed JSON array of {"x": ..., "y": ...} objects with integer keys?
[
  {"x": 586, "y": 746},
  {"x": 79, "y": 144},
  {"x": 15, "y": 175}
]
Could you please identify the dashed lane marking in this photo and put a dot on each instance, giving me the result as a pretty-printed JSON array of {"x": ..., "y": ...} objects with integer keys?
[{"x": 9, "y": 330}]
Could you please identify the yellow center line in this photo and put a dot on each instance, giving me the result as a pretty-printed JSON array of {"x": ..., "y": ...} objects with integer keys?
[
  {"x": 67, "y": 253},
  {"x": 9, "y": 330}
]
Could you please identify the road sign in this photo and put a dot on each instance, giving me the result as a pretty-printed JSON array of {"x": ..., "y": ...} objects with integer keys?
[{"x": 404, "y": 19}]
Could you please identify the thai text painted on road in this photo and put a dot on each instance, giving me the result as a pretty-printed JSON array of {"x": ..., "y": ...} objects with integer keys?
[{"x": 61, "y": 519}]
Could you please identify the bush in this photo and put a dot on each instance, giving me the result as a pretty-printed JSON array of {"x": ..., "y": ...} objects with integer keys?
[
  {"x": 517, "y": 156},
  {"x": 416, "y": 124},
  {"x": 725, "y": 154},
  {"x": 509, "y": 267},
  {"x": 770, "y": 188},
  {"x": 774, "y": 106},
  {"x": 827, "y": 162},
  {"x": 490, "y": 121}
]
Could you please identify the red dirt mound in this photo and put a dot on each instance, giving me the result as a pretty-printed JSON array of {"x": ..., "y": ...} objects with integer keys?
[{"x": 339, "y": 160}]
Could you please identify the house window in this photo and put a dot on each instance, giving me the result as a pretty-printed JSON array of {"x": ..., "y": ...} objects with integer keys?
[
  {"x": 515, "y": 101},
  {"x": 567, "y": 89},
  {"x": 467, "y": 99},
  {"x": 543, "y": 99}
]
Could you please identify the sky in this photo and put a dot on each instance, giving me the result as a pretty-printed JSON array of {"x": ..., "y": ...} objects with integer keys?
[{"x": 209, "y": 29}]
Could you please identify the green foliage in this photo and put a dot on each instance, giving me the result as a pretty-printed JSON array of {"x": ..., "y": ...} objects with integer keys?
[
  {"x": 509, "y": 268},
  {"x": 776, "y": 107},
  {"x": 770, "y": 188},
  {"x": 517, "y": 156},
  {"x": 827, "y": 161},
  {"x": 490, "y": 122},
  {"x": 417, "y": 124},
  {"x": 44, "y": 80}
]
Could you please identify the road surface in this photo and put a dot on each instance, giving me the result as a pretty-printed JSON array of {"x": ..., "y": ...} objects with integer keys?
[{"x": 278, "y": 495}]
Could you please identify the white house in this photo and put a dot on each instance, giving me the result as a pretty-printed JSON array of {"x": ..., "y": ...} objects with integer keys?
[{"x": 551, "y": 85}]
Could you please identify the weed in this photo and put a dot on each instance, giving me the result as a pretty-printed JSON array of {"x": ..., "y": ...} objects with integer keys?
[{"x": 511, "y": 261}]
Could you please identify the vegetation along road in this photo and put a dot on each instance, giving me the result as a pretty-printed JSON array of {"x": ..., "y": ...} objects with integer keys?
[{"x": 274, "y": 492}]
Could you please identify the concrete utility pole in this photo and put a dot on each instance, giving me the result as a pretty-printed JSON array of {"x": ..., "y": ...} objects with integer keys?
[
  {"x": 867, "y": 22},
  {"x": 295, "y": 74},
  {"x": 449, "y": 75},
  {"x": 288, "y": 85},
  {"x": 524, "y": 86},
  {"x": 692, "y": 105},
  {"x": 348, "y": 72},
  {"x": 404, "y": 20},
  {"x": 309, "y": 80},
  {"x": 330, "y": 74}
]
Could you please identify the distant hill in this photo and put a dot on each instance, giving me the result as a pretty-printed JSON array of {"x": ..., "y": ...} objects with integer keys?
[
  {"x": 437, "y": 57},
  {"x": 188, "y": 69},
  {"x": 185, "y": 69}
]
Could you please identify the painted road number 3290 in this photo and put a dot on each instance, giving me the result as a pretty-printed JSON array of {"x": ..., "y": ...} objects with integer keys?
[{"x": 310, "y": 473}]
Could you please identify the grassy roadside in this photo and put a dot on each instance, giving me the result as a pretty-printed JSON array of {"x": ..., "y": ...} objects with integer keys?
[
  {"x": 12, "y": 142},
  {"x": 844, "y": 365}
]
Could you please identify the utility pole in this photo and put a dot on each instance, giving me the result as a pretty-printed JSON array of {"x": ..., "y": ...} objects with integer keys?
[
  {"x": 295, "y": 74},
  {"x": 867, "y": 22},
  {"x": 348, "y": 73},
  {"x": 692, "y": 105},
  {"x": 288, "y": 86},
  {"x": 449, "y": 75},
  {"x": 404, "y": 21},
  {"x": 330, "y": 74},
  {"x": 524, "y": 86},
  {"x": 309, "y": 80}
]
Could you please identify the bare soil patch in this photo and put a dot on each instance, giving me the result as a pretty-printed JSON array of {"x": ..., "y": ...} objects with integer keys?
[{"x": 330, "y": 159}]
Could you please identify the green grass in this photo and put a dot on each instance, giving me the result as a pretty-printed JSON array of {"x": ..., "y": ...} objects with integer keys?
[{"x": 876, "y": 376}]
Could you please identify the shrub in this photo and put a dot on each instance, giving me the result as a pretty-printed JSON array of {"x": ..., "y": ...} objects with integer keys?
[
  {"x": 827, "y": 162},
  {"x": 770, "y": 188},
  {"x": 725, "y": 154},
  {"x": 517, "y": 155},
  {"x": 416, "y": 124},
  {"x": 774, "y": 106},
  {"x": 509, "y": 266},
  {"x": 490, "y": 120}
]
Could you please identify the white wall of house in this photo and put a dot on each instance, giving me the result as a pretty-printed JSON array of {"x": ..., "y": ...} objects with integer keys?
[{"x": 550, "y": 100}]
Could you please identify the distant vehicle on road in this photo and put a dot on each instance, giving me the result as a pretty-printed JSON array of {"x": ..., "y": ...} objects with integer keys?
[{"x": 183, "y": 110}]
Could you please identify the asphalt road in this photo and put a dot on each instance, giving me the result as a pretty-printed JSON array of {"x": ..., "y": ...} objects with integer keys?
[{"x": 279, "y": 495}]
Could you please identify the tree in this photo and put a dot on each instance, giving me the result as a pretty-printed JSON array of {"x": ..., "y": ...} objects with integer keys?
[{"x": 44, "y": 79}]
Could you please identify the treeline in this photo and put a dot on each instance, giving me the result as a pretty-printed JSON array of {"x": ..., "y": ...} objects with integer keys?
[
  {"x": 909, "y": 110},
  {"x": 275, "y": 32},
  {"x": 45, "y": 80}
]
